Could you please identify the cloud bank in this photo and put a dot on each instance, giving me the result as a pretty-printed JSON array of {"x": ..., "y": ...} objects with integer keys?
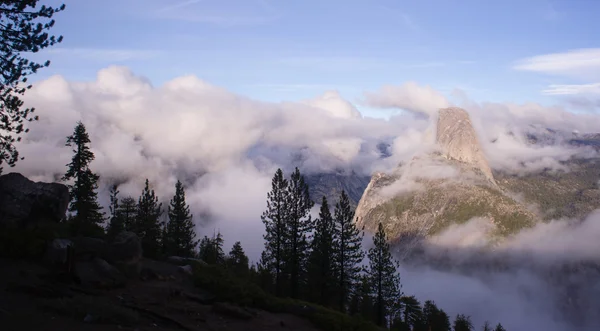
[{"x": 225, "y": 148}]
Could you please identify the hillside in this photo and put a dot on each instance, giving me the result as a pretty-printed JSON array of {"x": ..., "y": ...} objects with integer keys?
[{"x": 456, "y": 184}]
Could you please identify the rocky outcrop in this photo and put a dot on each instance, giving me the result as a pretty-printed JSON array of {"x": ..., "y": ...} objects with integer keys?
[
  {"x": 458, "y": 141},
  {"x": 125, "y": 252},
  {"x": 24, "y": 202},
  {"x": 435, "y": 190}
]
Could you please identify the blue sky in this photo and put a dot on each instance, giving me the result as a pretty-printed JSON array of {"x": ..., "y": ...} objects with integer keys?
[{"x": 288, "y": 50}]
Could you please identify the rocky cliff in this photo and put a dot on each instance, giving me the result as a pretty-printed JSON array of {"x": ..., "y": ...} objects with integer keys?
[
  {"x": 458, "y": 141},
  {"x": 455, "y": 184}
]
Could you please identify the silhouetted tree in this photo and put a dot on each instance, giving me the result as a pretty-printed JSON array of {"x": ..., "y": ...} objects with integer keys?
[
  {"x": 87, "y": 216},
  {"x": 274, "y": 218},
  {"x": 237, "y": 259},
  {"x": 127, "y": 213},
  {"x": 361, "y": 299},
  {"x": 321, "y": 277},
  {"x": 180, "y": 236},
  {"x": 211, "y": 249},
  {"x": 434, "y": 318},
  {"x": 463, "y": 323},
  {"x": 24, "y": 30},
  {"x": 348, "y": 253},
  {"x": 115, "y": 222},
  {"x": 487, "y": 326},
  {"x": 384, "y": 277},
  {"x": 411, "y": 311},
  {"x": 499, "y": 327},
  {"x": 147, "y": 224},
  {"x": 299, "y": 224}
]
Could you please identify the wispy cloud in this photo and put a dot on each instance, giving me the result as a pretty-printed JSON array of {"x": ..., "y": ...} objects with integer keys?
[
  {"x": 179, "y": 5},
  {"x": 221, "y": 13},
  {"x": 578, "y": 63},
  {"x": 572, "y": 89},
  {"x": 106, "y": 55}
]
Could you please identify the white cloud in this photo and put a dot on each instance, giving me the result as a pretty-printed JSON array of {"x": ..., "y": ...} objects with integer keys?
[
  {"x": 332, "y": 102},
  {"x": 572, "y": 89},
  {"x": 580, "y": 63},
  {"x": 409, "y": 96},
  {"x": 225, "y": 148}
]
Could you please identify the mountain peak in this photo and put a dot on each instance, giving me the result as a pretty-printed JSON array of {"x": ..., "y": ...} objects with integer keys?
[{"x": 457, "y": 138}]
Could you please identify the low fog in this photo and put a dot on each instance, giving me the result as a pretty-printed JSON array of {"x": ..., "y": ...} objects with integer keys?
[{"x": 226, "y": 147}]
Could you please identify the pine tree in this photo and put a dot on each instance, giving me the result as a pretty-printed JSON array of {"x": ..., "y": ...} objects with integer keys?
[
  {"x": 299, "y": 224},
  {"x": 383, "y": 276},
  {"x": 274, "y": 218},
  {"x": 321, "y": 278},
  {"x": 361, "y": 300},
  {"x": 499, "y": 327},
  {"x": 412, "y": 312},
  {"x": 211, "y": 249},
  {"x": 348, "y": 253},
  {"x": 434, "y": 318},
  {"x": 24, "y": 32},
  {"x": 180, "y": 236},
  {"x": 87, "y": 217},
  {"x": 237, "y": 259},
  {"x": 127, "y": 213},
  {"x": 147, "y": 224},
  {"x": 263, "y": 273},
  {"x": 487, "y": 326},
  {"x": 463, "y": 323},
  {"x": 115, "y": 225}
]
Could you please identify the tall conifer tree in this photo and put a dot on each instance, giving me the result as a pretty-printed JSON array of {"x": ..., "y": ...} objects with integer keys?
[
  {"x": 321, "y": 277},
  {"x": 180, "y": 236},
  {"x": 147, "y": 224},
  {"x": 87, "y": 216},
  {"x": 127, "y": 213},
  {"x": 299, "y": 225},
  {"x": 348, "y": 253},
  {"x": 384, "y": 277},
  {"x": 274, "y": 218},
  {"x": 115, "y": 222},
  {"x": 462, "y": 323},
  {"x": 211, "y": 249},
  {"x": 237, "y": 259}
]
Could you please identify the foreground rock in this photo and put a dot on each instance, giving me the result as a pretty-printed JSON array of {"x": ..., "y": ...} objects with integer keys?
[
  {"x": 125, "y": 252},
  {"x": 24, "y": 202}
]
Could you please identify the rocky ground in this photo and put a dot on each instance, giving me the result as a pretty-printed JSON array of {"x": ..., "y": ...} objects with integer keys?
[
  {"x": 51, "y": 281},
  {"x": 34, "y": 297}
]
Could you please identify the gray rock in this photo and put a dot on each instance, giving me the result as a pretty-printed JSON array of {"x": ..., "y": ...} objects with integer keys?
[
  {"x": 187, "y": 269},
  {"x": 99, "y": 274},
  {"x": 125, "y": 252},
  {"x": 24, "y": 202},
  {"x": 232, "y": 311},
  {"x": 87, "y": 248},
  {"x": 458, "y": 139},
  {"x": 180, "y": 260},
  {"x": 58, "y": 251}
]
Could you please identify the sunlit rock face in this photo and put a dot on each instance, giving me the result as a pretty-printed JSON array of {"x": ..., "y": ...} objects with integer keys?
[
  {"x": 458, "y": 141},
  {"x": 435, "y": 190}
]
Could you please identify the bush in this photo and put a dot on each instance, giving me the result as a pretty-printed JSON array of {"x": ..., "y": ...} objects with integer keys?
[{"x": 229, "y": 288}]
